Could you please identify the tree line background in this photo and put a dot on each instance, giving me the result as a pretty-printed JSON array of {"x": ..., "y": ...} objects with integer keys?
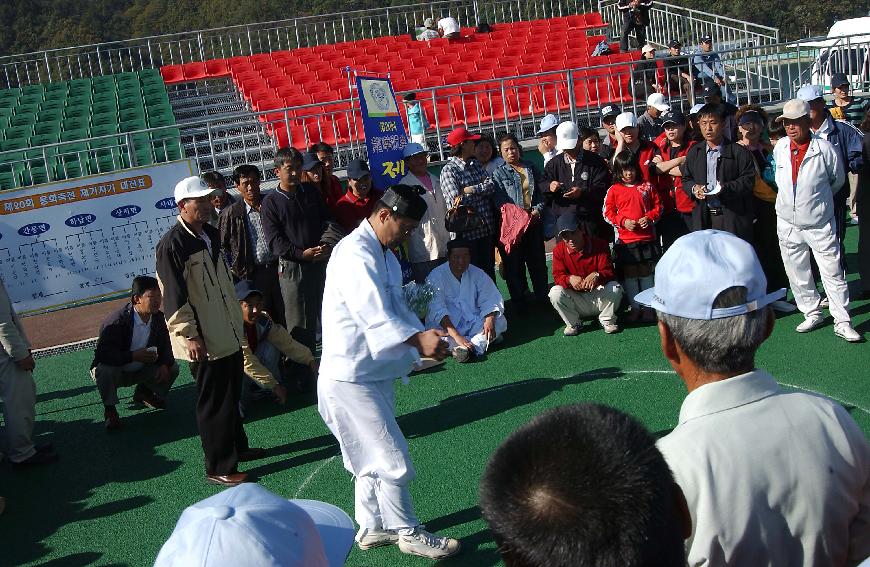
[{"x": 34, "y": 25}]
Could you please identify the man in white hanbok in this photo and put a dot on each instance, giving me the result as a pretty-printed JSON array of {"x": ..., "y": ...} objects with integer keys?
[
  {"x": 370, "y": 338},
  {"x": 467, "y": 304}
]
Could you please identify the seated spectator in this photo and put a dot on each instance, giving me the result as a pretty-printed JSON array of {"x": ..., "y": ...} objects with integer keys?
[
  {"x": 248, "y": 525},
  {"x": 650, "y": 122},
  {"x": 312, "y": 170},
  {"x": 427, "y": 244},
  {"x": 709, "y": 68},
  {"x": 467, "y": 305},
  {"x": 584, "y": 278},
  {"x": 608, "y": 122},
  {"x": 133, "y": 349},
  {"x": 268, "y": 342},
  {"x": 771, "y": 477},
  {"x": 418, "y": 124},
  {"x": 330, "y": 186},
  {"x": 547, "y": 141},
  {"x": 428, "y": 31},
  {"x": 221, "y": 198},
  {"x": 243, "y": 241},
  {"x": 516, "y": 183},
  {"x": 448, "y": 28},
  {"x": 645, "y": 74},
  {"x": 487, "y": 154},
  {"x": 583, "y": 485},
  {"x": 359, "y": 200},
  {"x": 633, "y": 207},
  {"x": 576, "y": 181},
  {"x": 678, "y": 72}
]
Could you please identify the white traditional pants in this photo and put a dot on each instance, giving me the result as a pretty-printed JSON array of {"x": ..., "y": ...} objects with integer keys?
[
  {"x": 362, "y": 417},
  {"x": 572, "y": 306},
  {"x": 796, "y": 245},
  {"x": 18, "y": 392},
  {"x": 474, "y": 333}
]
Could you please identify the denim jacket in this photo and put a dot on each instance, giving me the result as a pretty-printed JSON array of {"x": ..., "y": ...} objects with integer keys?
[{"x": 509, "y": 188}]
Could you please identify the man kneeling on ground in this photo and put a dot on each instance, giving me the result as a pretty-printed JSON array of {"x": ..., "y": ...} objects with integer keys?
[
  {"x": 584, "y": 277},
  {"x": 467, "y": 304},
  {"x": 133, "y": 349},
  {"x": 268, "y": 341}
]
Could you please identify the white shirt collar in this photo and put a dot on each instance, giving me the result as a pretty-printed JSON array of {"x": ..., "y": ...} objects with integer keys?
[
  {"x": 727, "y": 394},
  {"x": 137, "y": 320}
]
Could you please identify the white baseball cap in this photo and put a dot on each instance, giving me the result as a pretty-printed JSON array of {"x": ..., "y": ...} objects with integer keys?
[
  {"x": 647, "y": 48},
  {"x": 657, "y": 100},
  {"x": 794, "y": 109},
  {"x": 548, "y": 123},
  {"x": 701, "y": 265},
  {"x": 696, "y": 108},
  {"x": 567, "y": 135},
  {"x": 809, "y": 93},
  {"x": 191, "y": 188},
  {"x": 412, "y": 149},
  {"x": 625, "y": 120},
  {"x": 248, "y": 526}
]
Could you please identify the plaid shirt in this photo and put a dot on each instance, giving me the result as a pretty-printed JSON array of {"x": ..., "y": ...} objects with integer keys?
[{"x": 455, "y": 176}]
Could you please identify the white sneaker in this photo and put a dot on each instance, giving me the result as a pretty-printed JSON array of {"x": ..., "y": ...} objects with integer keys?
[
  {"x": 461, "y": 354},
  {"x": 824, "y": 303},
  {"x": 571, "y": 330},
  {"x": 809, "y": 324},
  {"x": 783, "y": 306},
  {"x": 845, "y": 331},
  {"x": 428, "y": 545},
  {"x": 368, "y": 538},
  {"x": 610, "y": 328}
]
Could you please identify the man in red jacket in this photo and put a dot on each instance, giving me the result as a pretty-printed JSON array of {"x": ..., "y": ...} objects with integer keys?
[{"x": 584, "y": 277}]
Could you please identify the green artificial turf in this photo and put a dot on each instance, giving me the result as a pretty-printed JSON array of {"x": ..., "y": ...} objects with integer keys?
[{"x": 114, "y": 498}]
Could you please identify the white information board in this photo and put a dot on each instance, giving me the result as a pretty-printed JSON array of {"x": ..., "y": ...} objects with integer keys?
[{"x": 83, "y": 239}]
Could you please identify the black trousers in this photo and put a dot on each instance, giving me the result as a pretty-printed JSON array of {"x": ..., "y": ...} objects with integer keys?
[
  {"x": 218, "y": 386},
  {"x": 629, "y": 24},
  {"x": 265, "y": 278},
  {"x": 528, "y": 252},
  {"x": 863, "y": 198},
  {"x": 670, "y": 227},
  {"x": 766, "y": 244},
  {"x": 483, "y": 254}
]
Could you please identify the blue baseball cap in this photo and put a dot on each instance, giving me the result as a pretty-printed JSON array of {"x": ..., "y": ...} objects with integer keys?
[
  {"x": 244, "y": 289},
  {"x": 548, "y": 123},
  {"x": 809, "y": 93},
  {"x": 310, "y": 161},
  {"x": 357, "y": 169},
  {"x": 412, "y": 149},
  {"x": 701, "y": 265}
]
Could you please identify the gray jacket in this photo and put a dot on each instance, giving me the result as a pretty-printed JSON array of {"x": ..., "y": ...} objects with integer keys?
[{"x": 13, "y": 342}]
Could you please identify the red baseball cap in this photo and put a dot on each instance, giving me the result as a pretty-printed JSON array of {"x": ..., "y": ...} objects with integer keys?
[{"x": 459, "y": 135}]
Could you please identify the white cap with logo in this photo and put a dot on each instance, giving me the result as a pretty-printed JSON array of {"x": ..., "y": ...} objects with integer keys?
[
  {"x": 191, "y": 188},
  {"x": 701, "y": 265},
  {"x": 248, "y": 526},
  {"x": 567, "y": 135}
]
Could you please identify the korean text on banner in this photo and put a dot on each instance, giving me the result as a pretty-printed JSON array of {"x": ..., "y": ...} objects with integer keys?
[
  {"x": 83, "y": 239},
  {"x": 385, "y": 133}
]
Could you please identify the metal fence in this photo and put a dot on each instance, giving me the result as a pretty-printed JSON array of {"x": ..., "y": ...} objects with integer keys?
[
  {"x": 669, "y": 22},
  {"x": 249, "y": 39},
  {"x": 766, "y": 74}
]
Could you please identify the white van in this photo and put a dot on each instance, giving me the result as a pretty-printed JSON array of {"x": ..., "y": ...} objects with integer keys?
[{"x": 847, "y": 50}]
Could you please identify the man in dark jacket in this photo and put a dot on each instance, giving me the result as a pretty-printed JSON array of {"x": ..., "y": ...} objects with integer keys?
[
  {"x": 719, "y": 175},
  {"x": 576, "y": 182},
  {"x": 635, "y": 16},
  {"x": 244, "y": 244},
  {"x": 134, "y": 349}
]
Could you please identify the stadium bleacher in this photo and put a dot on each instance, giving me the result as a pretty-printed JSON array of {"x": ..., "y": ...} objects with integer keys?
[{"x": 82, "y": 122}]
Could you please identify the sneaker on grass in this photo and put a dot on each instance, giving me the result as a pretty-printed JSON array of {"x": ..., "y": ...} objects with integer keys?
[
  {"x": 432, "y": 546},
  {"x": 461, "y": 354},
  {"x": 367, "y": 538}
]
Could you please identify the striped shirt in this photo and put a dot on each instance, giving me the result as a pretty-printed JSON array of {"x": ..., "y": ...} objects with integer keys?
[{"x": 854, "y": 112}]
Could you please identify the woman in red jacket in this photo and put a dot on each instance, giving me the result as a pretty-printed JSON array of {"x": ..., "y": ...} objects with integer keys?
[
  {"x": 633, "y": 206},
  {"x": 673, "y": 145}
]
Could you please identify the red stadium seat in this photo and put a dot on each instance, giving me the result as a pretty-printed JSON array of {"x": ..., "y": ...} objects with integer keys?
[
  {"x": 217, "y": 68},
  {"x": 172, "y": 74}
]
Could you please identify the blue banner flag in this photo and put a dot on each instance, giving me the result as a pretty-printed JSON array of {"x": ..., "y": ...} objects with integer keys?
[{"x": 385, "y": 133}]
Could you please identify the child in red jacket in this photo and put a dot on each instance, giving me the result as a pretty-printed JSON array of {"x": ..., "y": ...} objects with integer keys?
[{"x": 633, "y": 206}]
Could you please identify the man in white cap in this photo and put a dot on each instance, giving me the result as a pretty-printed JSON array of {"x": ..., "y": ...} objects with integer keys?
[
  {"x": 428, "y": 31},
  {"x": 807, "y": 174},
  {"x": 576, "y": 181},
  {"x": 427, "y": 245},
  {"x": 650, "y": 122},
  {"x": 771, "y": 477},
  {"x": 448, "y": 27},
  {"x": 371, "y": 337},
  {"x": 847, "y": 142},
  {"x": 645, "y": 74},
  {"x": 547, "y": 141},
  {"x": 248, "y": 526},
  {"x": 205, "y": 328}
]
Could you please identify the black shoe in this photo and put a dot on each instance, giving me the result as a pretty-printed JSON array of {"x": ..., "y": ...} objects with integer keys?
[
  {"x": 46, "y": 447},
  {"x": 37, "y": 459}
]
